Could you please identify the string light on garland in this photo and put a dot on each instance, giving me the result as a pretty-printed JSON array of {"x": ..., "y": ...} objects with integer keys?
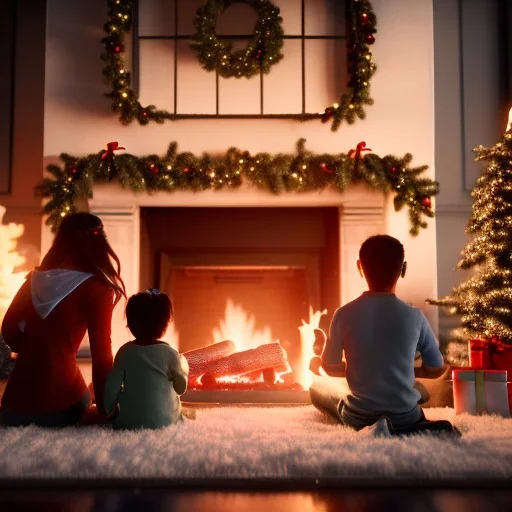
[
  {"x": 260, "y": 54},
  {"x": 126, "y": 104},
  {"x": 362, "y": 27},
  {"x": 276, "y": 173}
]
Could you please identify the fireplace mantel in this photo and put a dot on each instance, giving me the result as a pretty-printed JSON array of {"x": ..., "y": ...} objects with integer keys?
[{"x": 361, "y": 214}]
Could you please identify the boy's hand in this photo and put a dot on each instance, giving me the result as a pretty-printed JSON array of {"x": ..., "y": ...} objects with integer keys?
[
  {"x": 315, "y": 364},
  {"x": 320, "y": 340}
]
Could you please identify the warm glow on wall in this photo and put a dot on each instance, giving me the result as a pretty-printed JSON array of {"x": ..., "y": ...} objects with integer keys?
[{"x": 509, "y": 124}]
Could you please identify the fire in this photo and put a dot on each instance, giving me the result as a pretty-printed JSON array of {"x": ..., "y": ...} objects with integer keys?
[
  {"x": 10, "y": 281},
  {"x": 238, "y": 326},
  {"x": 307, "y": 340}
]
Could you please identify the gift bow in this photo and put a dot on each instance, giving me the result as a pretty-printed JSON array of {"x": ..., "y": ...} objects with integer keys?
[
  {"x": 111, "y": 147},
  {"x": 356, "y": 153}
]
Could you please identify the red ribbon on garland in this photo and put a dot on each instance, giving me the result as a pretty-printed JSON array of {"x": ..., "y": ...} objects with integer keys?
[
  {"x": 356, "y": 153},
  {"x": 111, "y": 147}
]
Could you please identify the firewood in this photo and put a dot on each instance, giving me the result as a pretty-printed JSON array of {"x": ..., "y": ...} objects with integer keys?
[
  {"x": 269, "y": 355},
  {"x": 200, "y": 358}
]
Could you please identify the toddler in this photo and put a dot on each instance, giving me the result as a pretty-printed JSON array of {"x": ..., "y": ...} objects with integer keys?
[
  {"x": 148, "y": 375},
  {"x": 380, "y": 335}
]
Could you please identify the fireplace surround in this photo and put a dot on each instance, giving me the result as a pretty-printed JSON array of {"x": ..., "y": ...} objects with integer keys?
[{"x": 134, "y": 224}]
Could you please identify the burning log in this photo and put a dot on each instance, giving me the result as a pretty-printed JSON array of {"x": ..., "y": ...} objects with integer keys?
[
  {"x": 201, "y": 358},
  {"x": 270, "y": 355}
]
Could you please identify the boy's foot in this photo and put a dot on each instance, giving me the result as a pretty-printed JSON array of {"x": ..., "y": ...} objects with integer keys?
[{"x": 381, "y": 428}]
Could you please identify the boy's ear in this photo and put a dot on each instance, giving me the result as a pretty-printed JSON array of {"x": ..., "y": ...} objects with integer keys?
[
  {"x": 404, "y": 269},
  {"x": 360, "y": 268}
]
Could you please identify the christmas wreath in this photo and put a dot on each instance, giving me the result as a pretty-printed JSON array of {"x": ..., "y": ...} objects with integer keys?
[
  {"x": 296, "y": 172},
  {"x": 262, "y": 51},
  {"x": 361, "y": 22}
]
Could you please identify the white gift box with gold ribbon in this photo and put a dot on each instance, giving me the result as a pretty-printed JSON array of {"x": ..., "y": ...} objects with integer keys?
[{"x": 480, "y": 392}]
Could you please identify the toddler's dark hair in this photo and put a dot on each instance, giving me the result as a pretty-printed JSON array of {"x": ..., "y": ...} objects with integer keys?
[
  {"x": 382, "y": 257},
  {"x": 148, "y": 314}
]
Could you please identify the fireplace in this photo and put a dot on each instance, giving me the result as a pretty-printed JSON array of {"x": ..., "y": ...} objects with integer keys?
[
  {"x": 242, "y": 261},
  {"x": 247, "y": 275}
]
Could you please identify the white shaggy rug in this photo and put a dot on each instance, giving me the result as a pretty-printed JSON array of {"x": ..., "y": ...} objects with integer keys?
[{"x": 279, "y": 443}]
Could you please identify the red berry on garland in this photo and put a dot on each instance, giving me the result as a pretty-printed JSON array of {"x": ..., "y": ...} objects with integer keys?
[
  {"x": 117, "y": 49},
  {"x": 186, "y": 169},
  {"x": 394, "y": 170},
  {"x": 74, "y": 170},
  {"x": 154, "y": 169},
  {"x": 370, "y": 39},
  {"x": 259, "y": 53},
  {"x": 427, "y": 202}
]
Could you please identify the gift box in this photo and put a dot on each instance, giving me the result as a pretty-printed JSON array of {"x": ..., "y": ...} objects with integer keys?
[
  {"x": 490, "y": 354},
  {"x": 481, "y": 391}
]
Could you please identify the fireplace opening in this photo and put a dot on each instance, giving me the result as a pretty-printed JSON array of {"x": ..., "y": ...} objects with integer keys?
[{"x": 248, "y": 285}]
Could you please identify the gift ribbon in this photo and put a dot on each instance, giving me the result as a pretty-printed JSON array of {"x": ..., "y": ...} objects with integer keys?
[{"x": 481, "y": 405}]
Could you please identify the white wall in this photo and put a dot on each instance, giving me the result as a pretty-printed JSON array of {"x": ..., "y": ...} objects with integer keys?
[
  {"x": 470, "y": 110},
  {"x": 78, "y": 119}
]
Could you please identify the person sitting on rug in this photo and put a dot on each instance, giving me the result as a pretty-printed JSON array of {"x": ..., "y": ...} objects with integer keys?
[
  {"x": 74, "y": 290},
  {"x": 380, "y": 336},
  {"x": 148, "y": 375}
]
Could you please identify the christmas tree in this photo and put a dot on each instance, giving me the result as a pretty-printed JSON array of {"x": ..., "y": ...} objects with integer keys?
[{"x": 484, "y": 301}]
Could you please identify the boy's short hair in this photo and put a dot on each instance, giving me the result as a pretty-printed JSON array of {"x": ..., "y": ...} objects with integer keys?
[
  {"x": 148, "y": 314},
  {"x": 382, "y": 257}
]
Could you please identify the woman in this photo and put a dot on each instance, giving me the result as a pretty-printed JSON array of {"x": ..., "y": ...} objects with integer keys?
[{"x": 75, "y": 289}]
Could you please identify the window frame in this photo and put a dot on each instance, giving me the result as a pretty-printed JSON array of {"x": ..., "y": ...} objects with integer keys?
[{"x": 301, "y": 116}]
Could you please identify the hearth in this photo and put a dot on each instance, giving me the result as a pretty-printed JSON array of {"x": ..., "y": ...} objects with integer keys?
[{"x": 246, "y": 284}]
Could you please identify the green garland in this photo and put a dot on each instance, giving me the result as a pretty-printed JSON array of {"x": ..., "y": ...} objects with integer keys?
[
  {"x": 262, "y": 52},
  {"x": 299, "y": 172},
  {"x": 125, "y": 101}
]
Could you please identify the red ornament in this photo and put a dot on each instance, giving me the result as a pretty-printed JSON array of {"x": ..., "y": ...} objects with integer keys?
[
  {"x": 117, "y": 49},
  {"x": 394, "y": 170},
  {"x": 259, "y": 53},
  {"x": 154, "y": 169},
  {"x": 74, "y": 170},
  {"x": 186, "y": 169},
  {"x": 370, "y": 39},
  {"x": 427, "y": 202},
  {"x": 144, "y": 114},
  {"x": 326, "y": 168}
]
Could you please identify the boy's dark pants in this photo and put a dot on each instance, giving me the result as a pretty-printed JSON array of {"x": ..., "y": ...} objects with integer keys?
[{"x": 332, "y": 405}]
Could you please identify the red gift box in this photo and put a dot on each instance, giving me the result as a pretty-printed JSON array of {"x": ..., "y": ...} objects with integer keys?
[{"x": 490, "y": 354}]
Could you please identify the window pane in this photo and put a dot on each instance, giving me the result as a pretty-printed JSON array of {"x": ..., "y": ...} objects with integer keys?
[
  {"x": 326, "y": 73},
  {"x": 240, "y": 95},
  {"x": 187, "y": 15},
  {"x": 238, "y": 19},
  {"x": 156, "y": 17},
  {"x": 291, "y": 12},
  {"x": 196, "y": 86},
  {"x": 282, "y": 87},
  {"x": 325, "y": 17},
  {"x": 156, "y": 78}
]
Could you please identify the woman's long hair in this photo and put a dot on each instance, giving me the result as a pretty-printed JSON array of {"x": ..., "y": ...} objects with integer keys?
[{"x": 82, "y": 242}]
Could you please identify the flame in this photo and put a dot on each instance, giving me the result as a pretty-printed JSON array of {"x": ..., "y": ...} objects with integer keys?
[
  {"x": 238, "y": 326},
  {"x": 307, "y": 340},
  {"x": 10, "y": 281},
  {"x": 509, "y": 124}
]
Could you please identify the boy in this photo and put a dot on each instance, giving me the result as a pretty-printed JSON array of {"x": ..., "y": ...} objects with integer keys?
[{"x": 380, "y": 335}]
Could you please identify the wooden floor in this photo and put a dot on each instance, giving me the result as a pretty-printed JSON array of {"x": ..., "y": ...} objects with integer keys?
[{"x": 154, "y": 500}]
